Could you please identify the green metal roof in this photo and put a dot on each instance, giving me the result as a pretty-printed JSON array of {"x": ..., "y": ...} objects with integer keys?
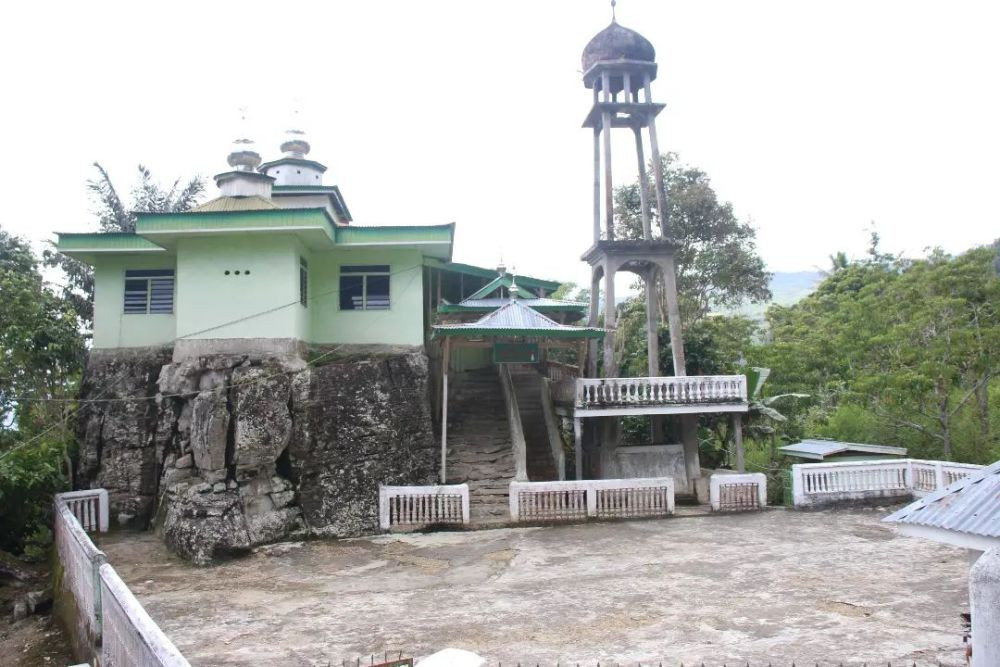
[
  {"x": 516, "y": 319},
  {"x": 105, "y": 242},
  {"x": 480, "y": 272}
]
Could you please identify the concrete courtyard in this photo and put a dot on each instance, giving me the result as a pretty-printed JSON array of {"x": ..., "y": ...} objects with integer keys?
[{"x": 778, "y": 586}]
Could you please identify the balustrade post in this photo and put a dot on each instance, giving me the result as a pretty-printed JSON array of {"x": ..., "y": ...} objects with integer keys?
[{"x": 939, "y": 475}]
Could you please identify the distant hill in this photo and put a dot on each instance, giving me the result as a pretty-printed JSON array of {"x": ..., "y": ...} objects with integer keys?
[{"x": 787, "y": 288}]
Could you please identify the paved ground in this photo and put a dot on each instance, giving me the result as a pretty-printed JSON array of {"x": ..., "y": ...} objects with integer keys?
[{"x": 766, "y": 587}]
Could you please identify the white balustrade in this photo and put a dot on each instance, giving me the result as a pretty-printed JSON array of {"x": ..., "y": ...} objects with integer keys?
[
  {"x": 738, "y": 491},
  {"x": 79, "y": 560},
  {"x": 415, "y": 506},
  {"x": 599, "y": 498},
  {"x": 596, "y": 393},
  {"x": 825, "y": 483}
]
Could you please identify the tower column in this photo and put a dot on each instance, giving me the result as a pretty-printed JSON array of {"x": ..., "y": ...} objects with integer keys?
[
  {"x": 595, "y": 296},
  {"x": 597, "y": 186},
  {"x": 647, "y": 232},
  {"x": 652, "y": 319},
  {"x": 609, "y": 186},
  {"x": 610, "y": 363}
]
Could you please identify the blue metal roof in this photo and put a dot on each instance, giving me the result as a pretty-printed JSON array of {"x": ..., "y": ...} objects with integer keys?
[
  {"x": 819, "y": 449},
  {"x": 971, "y": 505}
]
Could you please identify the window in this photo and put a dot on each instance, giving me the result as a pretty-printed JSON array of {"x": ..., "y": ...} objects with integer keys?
[
  {"x": 303, "y": 282},
  {"x": 364, "y": 287},
  {"x": 149, "y": 291}
]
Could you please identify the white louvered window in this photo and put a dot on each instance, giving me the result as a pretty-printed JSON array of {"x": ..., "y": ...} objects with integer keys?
[{"x": 149, "y": 291}]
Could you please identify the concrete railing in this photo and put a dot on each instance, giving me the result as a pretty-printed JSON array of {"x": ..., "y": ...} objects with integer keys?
[
  {"x": 594, "y": 393},
  {"x": 831, "y": 483},
  {"x": 601, "y": 499},
  {"x": 416, "y": 506},
  {"x": 79, "y": 563},
  {"x": 111, "y": 627},
  {"x": 737, "y": 492}
]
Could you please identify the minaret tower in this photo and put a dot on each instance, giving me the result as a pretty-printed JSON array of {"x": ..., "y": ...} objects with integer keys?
[{"x": 618, "y": 66}]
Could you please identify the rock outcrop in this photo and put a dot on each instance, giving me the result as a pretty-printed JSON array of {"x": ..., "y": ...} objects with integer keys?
[{"x": 225, "y": 452}]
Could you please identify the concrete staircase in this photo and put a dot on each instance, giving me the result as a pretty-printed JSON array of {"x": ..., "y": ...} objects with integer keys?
[
  {"x": 479, "y": 446},
  {"x": 528, "y": 389}
]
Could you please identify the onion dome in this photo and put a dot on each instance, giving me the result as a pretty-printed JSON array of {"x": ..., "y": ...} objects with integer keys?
[
  {"x": 617, "y": 43},
  {"x": 295, "y": 144},
  {"x": 244, "y": 156}
]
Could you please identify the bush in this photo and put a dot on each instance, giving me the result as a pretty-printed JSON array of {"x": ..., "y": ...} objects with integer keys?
[{"x": 29, "y": 476}]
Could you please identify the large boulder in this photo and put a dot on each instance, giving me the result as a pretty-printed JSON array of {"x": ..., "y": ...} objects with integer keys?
[
  {"x": 231, "y": 451},
  {"x": 364, "y": 422}
]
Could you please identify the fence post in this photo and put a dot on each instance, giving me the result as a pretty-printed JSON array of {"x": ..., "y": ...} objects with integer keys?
[
  {"x": 984, "y": 603},
  {"x": 798, "y": 486},
  {"x": 513, "y": 500},
  {"x": 383, "y": 507},
  {"x": 939, "y": 475},
  {"x": 590, "y": 493}
]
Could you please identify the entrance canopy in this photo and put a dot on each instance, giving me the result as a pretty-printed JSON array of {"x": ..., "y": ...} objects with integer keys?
[{"x": 515, "y": 319}]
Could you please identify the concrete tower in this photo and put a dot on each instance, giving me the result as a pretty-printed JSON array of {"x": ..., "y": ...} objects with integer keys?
[{"x": 619, "y": 65}]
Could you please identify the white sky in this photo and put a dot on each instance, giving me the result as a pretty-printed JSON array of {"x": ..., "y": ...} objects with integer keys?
[{"x": 813, "y": 118}]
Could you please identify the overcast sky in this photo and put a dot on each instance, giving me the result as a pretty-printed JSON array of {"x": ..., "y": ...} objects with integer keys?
[{"x": 813, "y": 118}]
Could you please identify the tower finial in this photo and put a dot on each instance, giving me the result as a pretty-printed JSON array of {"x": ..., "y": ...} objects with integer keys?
[
  {"x": 244, "y": 156},
  {"x": 614, "y": 18}
]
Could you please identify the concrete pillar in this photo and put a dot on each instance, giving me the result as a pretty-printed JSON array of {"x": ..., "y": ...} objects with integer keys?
[
  {"x": 692, "y": 459},
  {"x": 595, "y": 296},
  {"x": 984, "y": 604},
  {"x": 610, "y": 315},
  {"x": 673, "y": 316},
  {"x": 578, "y": 447},
  {"x": 597, "y": 183},
  {"x": 737, "y": 425},
  {"x": 647, "y": 227},
  {"x": 652, "y": 324},
  {"x": 445, "y": 358}
]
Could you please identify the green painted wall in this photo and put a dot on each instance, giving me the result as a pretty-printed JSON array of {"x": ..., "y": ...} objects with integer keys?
[
  {"x": 112, "y": 327},
  {"x": 402, "y": 324},
  {"x": 209, "y": 302}
]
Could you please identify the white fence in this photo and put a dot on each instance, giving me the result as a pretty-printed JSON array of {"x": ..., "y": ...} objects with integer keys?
[
  {"x": 829, "y": 483},
  {"x": 109, "y": 615},
  {"x": 602, "y": 499},
  {"x": 738, "y": 492},
  {"x": 415, "y": 506}
]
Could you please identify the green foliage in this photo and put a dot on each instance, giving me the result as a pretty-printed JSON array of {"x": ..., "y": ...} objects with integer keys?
[
  {"x": 717, "y": 262},
  {"x": 41, "y": 355},
  {"x": 897, "y": 352},
  {"x": 29, "y": 476}
]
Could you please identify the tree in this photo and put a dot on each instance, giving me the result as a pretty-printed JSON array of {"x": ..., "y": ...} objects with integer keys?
[
  {"x": 115, "y": 215},
  {"x": 717, "y": 262},
  {"x": 906, "y": 351},
  {"x": 41, "y": 354}
]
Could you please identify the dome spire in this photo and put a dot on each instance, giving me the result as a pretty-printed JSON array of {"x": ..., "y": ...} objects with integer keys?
[
  {"x": 244, "y": 155},
  {"x": 614, "y": 19}
]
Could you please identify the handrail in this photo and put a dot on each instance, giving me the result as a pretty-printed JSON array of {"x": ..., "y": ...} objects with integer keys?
[{"x": 518, "y": 443}]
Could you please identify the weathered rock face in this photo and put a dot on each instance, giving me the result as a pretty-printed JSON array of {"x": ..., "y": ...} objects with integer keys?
[
  {"x": 231, "y": 451},
  {"x": 360, "y": 424}
]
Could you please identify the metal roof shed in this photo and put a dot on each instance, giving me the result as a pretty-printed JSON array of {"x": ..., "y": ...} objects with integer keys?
[
  {"x": 833, "y": 450},
  {"x": 964, "y": 514}
]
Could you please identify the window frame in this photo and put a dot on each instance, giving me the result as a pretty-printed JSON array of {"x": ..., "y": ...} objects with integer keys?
[
  {"x": 365, "y": 271},
  {"x": 151, "y": 276}
]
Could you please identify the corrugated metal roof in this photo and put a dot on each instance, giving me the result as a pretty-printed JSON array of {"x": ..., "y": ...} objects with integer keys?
[
  {"x": 493, "y": 303},
  {"x": 970, "y": 505},
  {"x": 819, "y": 449},
  {"x": 227, "y": 204},
  {"x": 516, "y": 318}
]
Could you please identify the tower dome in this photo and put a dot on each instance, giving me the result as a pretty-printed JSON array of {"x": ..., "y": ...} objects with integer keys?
[{"x": 617, "y": 43}]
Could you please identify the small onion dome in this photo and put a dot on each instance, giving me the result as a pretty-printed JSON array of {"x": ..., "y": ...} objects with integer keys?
[
  {"x": 244, "y": 157},
  {"x": 295, "y": 144},
  {"x": 617, "y": 43}
]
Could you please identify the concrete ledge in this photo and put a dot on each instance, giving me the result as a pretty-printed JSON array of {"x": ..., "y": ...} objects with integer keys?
[{"x": 187, "y": 348}]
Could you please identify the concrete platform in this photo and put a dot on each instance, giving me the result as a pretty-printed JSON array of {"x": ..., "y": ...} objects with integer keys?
[{"x": 778, "y": 586}]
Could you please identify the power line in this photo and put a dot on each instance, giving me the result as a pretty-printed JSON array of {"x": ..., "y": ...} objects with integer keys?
[{"x": 121, "y": 376}]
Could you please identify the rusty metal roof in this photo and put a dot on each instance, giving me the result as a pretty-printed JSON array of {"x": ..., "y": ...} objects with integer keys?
[{"x": 970, "y": 505}]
